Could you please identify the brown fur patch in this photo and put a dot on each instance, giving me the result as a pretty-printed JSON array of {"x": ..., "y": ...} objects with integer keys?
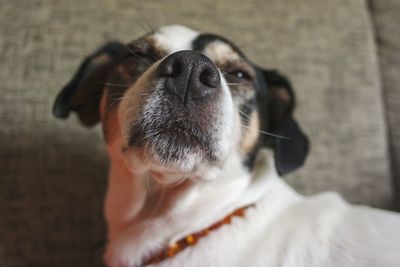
[
  {"x": 250, "y": 134},
  {"x": 221, "y": 52},
  {"x": 109, "y": 117}
]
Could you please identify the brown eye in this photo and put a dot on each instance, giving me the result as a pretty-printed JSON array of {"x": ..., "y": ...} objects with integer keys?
[{"x": 238, "y": 75}]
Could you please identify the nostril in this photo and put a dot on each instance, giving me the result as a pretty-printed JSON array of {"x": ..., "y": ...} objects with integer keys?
[{"x": 209, "y": 78}]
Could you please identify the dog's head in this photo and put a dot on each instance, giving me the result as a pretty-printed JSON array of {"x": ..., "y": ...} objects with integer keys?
[{"x": 179, "y": 103}]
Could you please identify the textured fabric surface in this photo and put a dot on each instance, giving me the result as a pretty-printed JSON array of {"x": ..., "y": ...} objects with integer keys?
[
  {"x": 53, "y": 173},
  {"x": 387, "y": 27}
]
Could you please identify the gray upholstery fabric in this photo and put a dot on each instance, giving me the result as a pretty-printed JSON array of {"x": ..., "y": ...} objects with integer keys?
[
  {"x": 387, "y": 27},
  {"x": 53, "y": 173}
]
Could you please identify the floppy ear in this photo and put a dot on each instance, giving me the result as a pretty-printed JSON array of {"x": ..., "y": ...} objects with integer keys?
[
  {"x": 83, "y": 93},
  {"x": 276, "y": 102}
]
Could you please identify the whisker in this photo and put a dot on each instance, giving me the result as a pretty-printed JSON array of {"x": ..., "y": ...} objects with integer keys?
[
  {"x": 116, "y": 84},
  {"x": 269, "y": 134},
  {"x": 163, "y": 54},
  {"x": 141, "y": 58},
  {"x": 244, "y": 114},
  {"x": 159, "y": 202},
  {"x": 119, "y": 98},
  {"x": 224, "y": 73},
  {"x": 236, "y": 84},
  {"x": 114, "y": 101},
  {"x": 131, "y": 122},
  {"x": 112, "y": 104},
  {"x": 147, "y": 183},
  {"x": 222, "y": 68},
  {"x": 143, "y": 19},
  {"x": 177, "y": 183}
]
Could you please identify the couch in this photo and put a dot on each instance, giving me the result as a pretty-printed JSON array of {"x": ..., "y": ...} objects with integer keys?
[{"x": 342, "y": 56}]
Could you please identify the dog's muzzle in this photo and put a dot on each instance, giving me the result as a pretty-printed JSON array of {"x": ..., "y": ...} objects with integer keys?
[
  {"x": 190, "y": 75},
  {"x": 184, "y": 114}
]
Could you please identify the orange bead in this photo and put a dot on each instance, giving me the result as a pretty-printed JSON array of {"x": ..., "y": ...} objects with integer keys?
[
  {"x": 173, "y": 249},
  {"x": 190, "y": 239},
  {"x": 227, "y": 220}
]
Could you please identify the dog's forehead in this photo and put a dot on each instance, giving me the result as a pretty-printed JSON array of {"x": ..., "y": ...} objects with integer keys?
[{"x": 175, "y": 38}]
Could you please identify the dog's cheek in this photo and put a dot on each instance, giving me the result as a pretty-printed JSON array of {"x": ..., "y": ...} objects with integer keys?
[
  {"x": 135, "y": 97},
  {"x": 109, "y": 118},
  {"x": 250, "y": 134}
]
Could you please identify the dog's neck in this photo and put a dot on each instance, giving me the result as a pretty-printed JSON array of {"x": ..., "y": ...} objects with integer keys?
[{"x": 137, "y": 206}]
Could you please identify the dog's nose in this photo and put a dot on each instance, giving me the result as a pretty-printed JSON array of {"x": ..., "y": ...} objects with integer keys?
[{"x": 190, "y": 75}]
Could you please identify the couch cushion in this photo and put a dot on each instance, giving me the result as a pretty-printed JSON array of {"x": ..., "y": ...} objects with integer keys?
[
  {"x": 385, "y": 14},
  {"x": 53, "y": 173}
]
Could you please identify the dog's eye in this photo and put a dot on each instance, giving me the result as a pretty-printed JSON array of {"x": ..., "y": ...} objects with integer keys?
[{"x": 238, "y": 75}]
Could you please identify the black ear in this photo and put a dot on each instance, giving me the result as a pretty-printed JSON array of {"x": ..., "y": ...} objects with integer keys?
[
  {"x": 276, "y": 101},
  {"x": 83, "y": 93}
]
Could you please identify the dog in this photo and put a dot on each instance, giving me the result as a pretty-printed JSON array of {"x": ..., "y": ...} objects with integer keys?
[{"x": 198, "y": 138}]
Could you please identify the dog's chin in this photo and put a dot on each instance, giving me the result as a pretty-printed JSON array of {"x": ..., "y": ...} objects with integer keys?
[
  {"x": 168, "y": 176},
  {"x": 172, "y": 148},
  {"x": 170, "y": 166}
]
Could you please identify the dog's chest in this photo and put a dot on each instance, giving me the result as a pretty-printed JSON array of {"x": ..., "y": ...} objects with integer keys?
[{"x": 275, "y": 233}]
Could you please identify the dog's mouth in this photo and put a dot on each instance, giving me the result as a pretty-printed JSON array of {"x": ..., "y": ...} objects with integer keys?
[
  {"x": 181, "y": 122},
  {"x": 171, "y": 134},
  {"x": 173, "y": 143}
]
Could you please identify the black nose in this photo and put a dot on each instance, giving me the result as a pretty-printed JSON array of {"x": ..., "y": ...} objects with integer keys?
[{"x": 190, "y": 75}]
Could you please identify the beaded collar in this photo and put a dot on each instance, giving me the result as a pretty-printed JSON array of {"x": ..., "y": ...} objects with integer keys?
[{"x": 192, "y": 239}]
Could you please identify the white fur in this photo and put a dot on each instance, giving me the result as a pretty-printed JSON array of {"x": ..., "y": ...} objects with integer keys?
[
  {"x": 175, "y": 37},
  {"x": 283, "y": 229}
]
